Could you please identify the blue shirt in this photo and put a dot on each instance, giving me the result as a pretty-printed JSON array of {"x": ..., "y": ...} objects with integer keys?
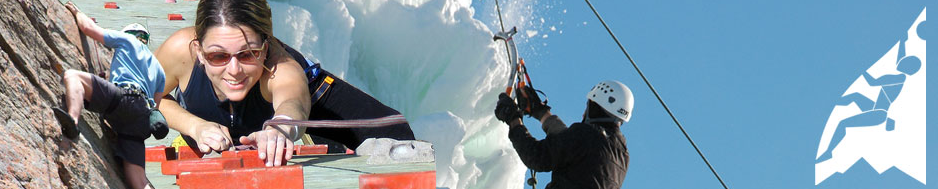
[{"x": 133, "y": 63}]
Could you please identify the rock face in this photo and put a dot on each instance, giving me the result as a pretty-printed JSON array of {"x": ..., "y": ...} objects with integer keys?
[{"x": 39, "y": 39}]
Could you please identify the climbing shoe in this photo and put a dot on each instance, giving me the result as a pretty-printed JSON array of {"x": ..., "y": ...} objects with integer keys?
[{"x": 69, "y": 127}]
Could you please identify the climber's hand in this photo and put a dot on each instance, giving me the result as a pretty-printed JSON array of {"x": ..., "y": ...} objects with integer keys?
[
  {"x": 531, "y": 103},
  {"x": 211, "y": 136},
  {"x": 273, "y": 145},
  {"x": 506, "y": 110}
]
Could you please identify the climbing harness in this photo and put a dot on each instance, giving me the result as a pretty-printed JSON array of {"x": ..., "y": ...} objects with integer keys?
[
  {"x": 312, "y": 73},
  {"x": 656, "y": 94}
]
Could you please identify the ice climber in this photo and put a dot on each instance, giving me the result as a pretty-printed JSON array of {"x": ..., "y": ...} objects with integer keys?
[{"x": 589, "y": 154}]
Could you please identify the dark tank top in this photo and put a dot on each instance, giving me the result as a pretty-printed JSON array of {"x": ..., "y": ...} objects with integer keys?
[{"x": 249, "y": 114}]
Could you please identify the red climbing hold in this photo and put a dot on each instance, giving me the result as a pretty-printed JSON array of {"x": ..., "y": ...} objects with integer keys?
[
  {"x": 247, "y": 178},
  {"x": 160, "y": 153},
  {"x": 426, "y": 179},
  {"x": 175, "y": 16},
  {"x": 111, "y": 5}
]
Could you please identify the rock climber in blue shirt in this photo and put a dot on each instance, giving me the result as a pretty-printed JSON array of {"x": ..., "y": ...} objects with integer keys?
[{"x": 127, "y": 100}]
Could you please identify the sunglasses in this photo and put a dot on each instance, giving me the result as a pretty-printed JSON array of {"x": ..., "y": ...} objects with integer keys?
[{"x": 247, "y": 56}]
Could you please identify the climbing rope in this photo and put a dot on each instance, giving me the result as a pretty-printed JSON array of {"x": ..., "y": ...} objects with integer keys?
[
  {"x": 656, "y": 94},
  {"x": 91, "y": 51},
  {"x": 349, "y": 123},
  {"x": 502, "y": 24}
]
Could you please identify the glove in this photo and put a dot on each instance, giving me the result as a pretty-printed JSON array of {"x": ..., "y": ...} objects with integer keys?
[
  {"x": 532, "y": 104},
  {"x": 158, "y": 126},
  {"x": 506, "y": 110}
]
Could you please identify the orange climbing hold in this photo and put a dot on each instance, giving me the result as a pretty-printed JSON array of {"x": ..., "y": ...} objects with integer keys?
[
  {"x": 175, "y": 167},
  {"x": 310, "y": 149},
  {"x": 249, "y": 157},
  {"x": 160, "y": 153},
  {"x": 111, "y": 5},
  {"x": 426, "y": 179},
  {"x": 187, "y": 152},
  {"x": 247, "y": 178},
  {"x": 175, "y": 16}
]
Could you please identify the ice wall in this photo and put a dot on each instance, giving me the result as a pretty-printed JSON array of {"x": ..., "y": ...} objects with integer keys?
[{"x": 431, "y": 60}]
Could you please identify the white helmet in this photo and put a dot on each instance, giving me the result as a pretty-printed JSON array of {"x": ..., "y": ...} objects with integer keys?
[
  {"x": 614, "y": 97},
  {"x": 135, "y": 27}
]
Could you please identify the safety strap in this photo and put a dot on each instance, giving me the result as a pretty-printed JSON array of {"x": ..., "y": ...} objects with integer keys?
[
  {"x": 323, "y": 87},
  {"x": 312, "y": 73}
]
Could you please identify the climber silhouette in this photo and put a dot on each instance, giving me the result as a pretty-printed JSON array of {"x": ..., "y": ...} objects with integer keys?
[{"x": 875, "y": 112}]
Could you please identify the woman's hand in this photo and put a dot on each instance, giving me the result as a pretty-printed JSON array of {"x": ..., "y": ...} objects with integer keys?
[
  {"x": 274, "y": 145},
  {"x": 212, "y": 136}
]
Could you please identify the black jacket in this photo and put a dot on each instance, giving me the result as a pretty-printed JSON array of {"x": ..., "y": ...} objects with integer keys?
[{"x": 582, "y": 156}]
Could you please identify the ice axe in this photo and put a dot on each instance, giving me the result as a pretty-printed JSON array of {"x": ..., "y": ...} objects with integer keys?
[{"x": 518, "y": 77}]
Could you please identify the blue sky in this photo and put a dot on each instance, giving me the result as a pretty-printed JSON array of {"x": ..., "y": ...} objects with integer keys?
[{"x": 753, "y": 83}]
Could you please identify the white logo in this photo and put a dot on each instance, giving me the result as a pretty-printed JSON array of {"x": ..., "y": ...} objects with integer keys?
[{"x": 881, "y": 116}]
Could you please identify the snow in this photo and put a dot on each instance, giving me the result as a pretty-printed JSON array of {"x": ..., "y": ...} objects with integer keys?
[
  {"x": 531, "y": 33},
  {"x": 431, "y": 60}
]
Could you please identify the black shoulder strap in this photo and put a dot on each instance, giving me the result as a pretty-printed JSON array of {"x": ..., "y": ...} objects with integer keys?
[{"x": 317, "y": 86}]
